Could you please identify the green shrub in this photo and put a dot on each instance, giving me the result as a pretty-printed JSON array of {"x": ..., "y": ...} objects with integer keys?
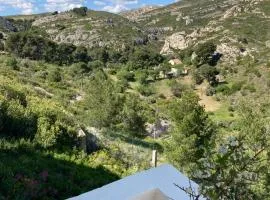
[
  {"x": 231, "y": 109},
  {"x": 177, "y": 88},
  {"x": 250, "y": 88},
  {"x": 145, "y": 90},
  {"x": 13, "y": 63},
  {"x": 121, "y": 86},
  {"x": 82, "y": 11},
  {"x": 141, "y": 77},
  {"x": 17, "y": 121},
  {"x": 132, "y": 115},
  {"x": 224, "y": 89},
  {"x": 36, "y": 47},
  {"x": 257, "y": 73},
  {"x": 55, "y": 76},
  {"x": 268, "y": 83},
  {"x": 209, "y": 73},
  {"x": 112, "y": 71},
  {"x": 55, "y": 131},
  {"x": 237, "y": 86},
  {"x": 81, "y": 54},
  {"x": 268, "y": 64},
  {"x": 47, "y": 132},
  {"x": 125, "y": 75},
  {"x": 97, "y": 64},
  {"x": 161, "y": 96},
  {"x": 13, "y": 94},
  {"x": 60, "y": 26},
  {"x": 204, "y": 52},
  {"x": 2, "y": 46},
  {"x": 80, "y": 68},
  {"x": 210, "y": 91},
  {"x": 198, "y": 78}
]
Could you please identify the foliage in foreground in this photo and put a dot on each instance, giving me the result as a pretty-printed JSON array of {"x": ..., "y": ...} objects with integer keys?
[
  {"x": 226, "y": 167},
  {"x": 33, "y": 173}
]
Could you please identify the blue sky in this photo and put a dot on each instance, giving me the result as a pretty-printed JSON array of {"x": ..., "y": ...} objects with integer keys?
[{"x": 12, "y": 7}]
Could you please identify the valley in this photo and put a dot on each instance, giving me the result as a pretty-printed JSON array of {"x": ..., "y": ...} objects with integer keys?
[{"x": 86, "y": 96}]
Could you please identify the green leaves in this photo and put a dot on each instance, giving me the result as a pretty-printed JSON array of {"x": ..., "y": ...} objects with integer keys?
[
  {"x": 239, "y": 168},
  {"x": 132, "y": 115},
  {"x": 107, "y": 108},
  {"x": 192, "y": 133},
  {"x": 29, "y": 45},
  {"x": 102, "y": 102},
  {"x": 204, "y": 52}
]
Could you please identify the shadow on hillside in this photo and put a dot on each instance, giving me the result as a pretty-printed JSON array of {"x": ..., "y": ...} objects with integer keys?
[
  {"x": 138, "y": 141},
  {"x": 27, "y": 173}
]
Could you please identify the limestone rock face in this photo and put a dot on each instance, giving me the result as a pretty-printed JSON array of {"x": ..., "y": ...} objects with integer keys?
[
  {"x": 89, "y": 139},
  {"x": 267, "y": 44},
  {"x": 230, "y": 53},
  {"x": 233, "y": 12},
  {"x": 52, "y": 18},
  {"x": 175, "y": 41},
  {"x": 78, "y": 37},
  {"x": 7, "y": 25},
  {"x": 134, "y": 15}
]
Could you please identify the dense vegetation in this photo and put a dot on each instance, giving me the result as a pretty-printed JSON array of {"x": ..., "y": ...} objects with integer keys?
[
  {"x": 27, "y": 45},
  {"x": 52, "y": 92}
]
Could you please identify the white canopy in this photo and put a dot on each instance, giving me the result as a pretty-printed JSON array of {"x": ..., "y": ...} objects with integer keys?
[{"x": 159, "y": 181}]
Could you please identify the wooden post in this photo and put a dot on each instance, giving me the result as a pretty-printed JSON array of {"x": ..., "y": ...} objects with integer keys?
[
  {"x": 82, "y": 138},
  {"x": 154, "y": 158}
]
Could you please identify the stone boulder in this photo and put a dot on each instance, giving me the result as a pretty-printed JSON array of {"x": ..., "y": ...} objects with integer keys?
[
  {"x": 229, "y": 52},
  {"x": 267, "y": 44},
  {"x": 7, "y": 25},
  {"x": 176, "y": 41},
  {"x": 161, "y": 127},
  {"x": 89, "y": 139},
  {"x": 233, "y": 12}
]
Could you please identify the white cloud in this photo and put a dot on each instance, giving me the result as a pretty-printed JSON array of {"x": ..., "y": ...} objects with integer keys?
[
  {"x": 62, "y": 5},
  {"x": 35, "y": 6},
  {"x": 118, "y": 5},
  {"x": 25, "y": 6},
  {"x": 99, "y": 3},
  {"x": 116, "y": 8}
]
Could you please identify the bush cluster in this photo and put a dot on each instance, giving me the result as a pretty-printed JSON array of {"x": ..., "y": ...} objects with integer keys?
[
  {"x": 45, "y": 127},
  {"x": 28, "y": 45}
]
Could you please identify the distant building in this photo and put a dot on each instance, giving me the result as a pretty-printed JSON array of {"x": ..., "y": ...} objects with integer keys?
[
  {"x": 185, "y": 71},
  {"x": 162, "y": 75},
  {"x": 220, "y": 79},
  {"x": 153, "y": 184},
  {"x": 175, "y": 62},
  {"x": 173, "y": 73},
  {"x": 178, "y": 72}
]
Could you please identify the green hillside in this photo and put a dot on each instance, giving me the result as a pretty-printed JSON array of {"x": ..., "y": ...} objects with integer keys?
[{"x": 84, "y": 96}]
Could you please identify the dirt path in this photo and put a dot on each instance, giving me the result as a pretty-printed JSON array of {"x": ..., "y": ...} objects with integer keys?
[{"x": 208, "y": 102}]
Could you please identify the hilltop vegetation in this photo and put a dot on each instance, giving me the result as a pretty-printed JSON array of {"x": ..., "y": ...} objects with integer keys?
[{"x": 84, "y": 96}]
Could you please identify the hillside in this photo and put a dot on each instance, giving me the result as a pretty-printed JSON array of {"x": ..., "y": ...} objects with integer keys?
[
  {"x": 179, "y": 25},
  {"x": 85, "y": 96}
]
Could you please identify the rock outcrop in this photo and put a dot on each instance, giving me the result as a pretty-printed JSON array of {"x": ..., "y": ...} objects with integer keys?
[
  {"x": 176, "y": 41},
  {"x": 134, "y": 15},
  {"x": 6, "y": 25},
  {"x": 51, "y": 19},
  {"x": 229, "y": 53}
]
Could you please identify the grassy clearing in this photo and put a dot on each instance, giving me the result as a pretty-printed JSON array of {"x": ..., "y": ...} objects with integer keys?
[
  {"x": 50, "y": 175},
  {"x": 223, "y": 114},
  {"x": 163, "y": 88}
]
